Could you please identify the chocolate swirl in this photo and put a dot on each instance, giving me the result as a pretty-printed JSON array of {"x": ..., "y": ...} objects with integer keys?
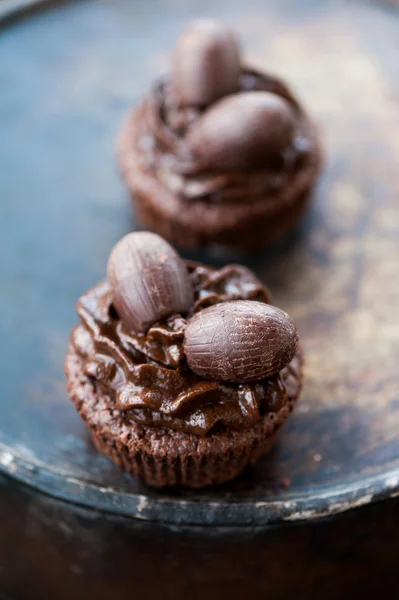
[
  {"x": 166, "y": 153},
  {"x": 146, "y": 375}
]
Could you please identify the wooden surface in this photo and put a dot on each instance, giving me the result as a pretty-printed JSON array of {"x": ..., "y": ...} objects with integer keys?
[{"x": 67, "y": 77}]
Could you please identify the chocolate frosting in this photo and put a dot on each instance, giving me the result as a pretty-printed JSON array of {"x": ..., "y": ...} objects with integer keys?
[
  {"x": 146, "y": 375},
  {"x": 165, "y": 152}
]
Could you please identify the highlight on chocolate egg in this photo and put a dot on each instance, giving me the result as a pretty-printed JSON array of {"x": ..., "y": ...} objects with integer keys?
[
  {"x": 183, "y": 373},
  {"x": 219, "y": 154}
]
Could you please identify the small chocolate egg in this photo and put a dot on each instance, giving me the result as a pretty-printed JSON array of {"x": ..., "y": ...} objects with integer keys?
[
  {"x": 205, "y": 64},
  {"x": 149, "y": 280}
]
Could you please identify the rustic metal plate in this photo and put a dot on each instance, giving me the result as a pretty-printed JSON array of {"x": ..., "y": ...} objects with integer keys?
[{"x": 67, "y": 77}]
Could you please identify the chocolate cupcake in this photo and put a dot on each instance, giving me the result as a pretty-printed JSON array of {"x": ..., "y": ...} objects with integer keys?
[
  {"x": 183, "y": 373},
  {"x": 218, "y": 154}
]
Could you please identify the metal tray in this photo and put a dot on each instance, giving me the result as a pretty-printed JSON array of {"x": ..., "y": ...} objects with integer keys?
[{"x": 67, "y": 77}]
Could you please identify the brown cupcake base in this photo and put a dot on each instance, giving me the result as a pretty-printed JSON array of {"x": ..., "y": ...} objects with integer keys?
[
  {"x": 194, "y": 224},
  {"x": 162, "y": 457},
  {"x": 247, "y": 235}
]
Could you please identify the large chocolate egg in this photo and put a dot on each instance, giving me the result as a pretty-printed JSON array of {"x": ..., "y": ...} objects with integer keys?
[
  {"x": 240, "y": 341},
  {"x": 243, "y": 131}
]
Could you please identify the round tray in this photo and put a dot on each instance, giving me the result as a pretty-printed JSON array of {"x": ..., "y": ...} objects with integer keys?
[{"x": 67, "y": 76}]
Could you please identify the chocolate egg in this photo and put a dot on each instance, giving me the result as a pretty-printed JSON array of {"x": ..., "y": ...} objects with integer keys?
[
  {"x": 243, "y": 131},
  {"x": 205, "y": 64},
  {"x": 149, "y": 280},
  {"x": 240, "y": 341}
]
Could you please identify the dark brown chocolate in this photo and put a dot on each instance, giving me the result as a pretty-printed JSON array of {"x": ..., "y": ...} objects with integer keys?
[
  {"x": 149, "y": 280},
  {"x": 214, "y": 162},
  {"x": 243, "y": 132},
  {"x": 205, "y": 64},
  {"x": 165, "y": 457},
  {"x": 147, "y": 373},
  {"x": 240, "y": 341},
  {"x": 169, "y": 143}
]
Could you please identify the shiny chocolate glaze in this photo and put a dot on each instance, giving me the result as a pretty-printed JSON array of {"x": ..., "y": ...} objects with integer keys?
[
  {"x": 146, "y": 375},
  {"x": 164, "y": 149}
]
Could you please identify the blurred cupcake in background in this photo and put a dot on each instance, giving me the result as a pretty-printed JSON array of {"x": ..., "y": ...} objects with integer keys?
[{"x": 218, "y": 154}]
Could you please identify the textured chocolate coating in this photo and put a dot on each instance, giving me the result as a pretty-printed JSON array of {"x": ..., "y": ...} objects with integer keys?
[
  {"x": 162, "y": 456},
  {"x": 205, "y": 64},
  {"x": 149, "y": 280},
  {"x": 243, "y": 132},
  {"x": 147, "y": 373},
  {"x": 240, "y": 341},
  {"x": 192, "y": 206},
  {"x": 181, "y": 135}
]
